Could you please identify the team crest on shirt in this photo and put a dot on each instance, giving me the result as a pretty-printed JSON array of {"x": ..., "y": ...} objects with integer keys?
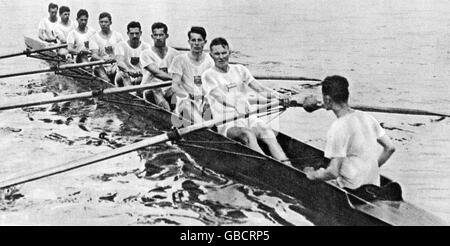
[
  {"x": 198, "y": 80},
  {"x": 134, "y": 60},
  {"x": 86, "y": 44}
]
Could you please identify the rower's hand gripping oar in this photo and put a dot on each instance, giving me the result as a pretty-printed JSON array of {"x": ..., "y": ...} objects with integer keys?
[
  {"x": 58, "y": 68},
  {"x": 174, "y": 135},
  {"x": 84, "y": 95},
  {"x": 28, "y": 52}
]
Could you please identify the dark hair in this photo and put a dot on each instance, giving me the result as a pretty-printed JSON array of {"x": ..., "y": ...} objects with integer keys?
[
  {"x": 158, "y": 25},
  {"x": 218, "y": 41},
  {"x": 133, "y": 24},
  {"x": 82, "y": 12},
  {"x": 105, "y": 15},
  {"x": 336, "y": 87},
  {"x": 199, "y": 30},
  {"x": 63, "y": 9},
  {"x": 52, "y": 6}
]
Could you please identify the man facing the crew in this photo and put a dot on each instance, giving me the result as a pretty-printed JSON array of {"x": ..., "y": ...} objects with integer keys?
[
  {"x": 156, "y": 61},
  {"x": 48, "y": 24},
  {"x": 102, "y": 46},
  {"x": 78, "y": 39},
  {"x": 186, "y": 71},
  {"x": 353, "y": 140},
  {"x": 128, "y": 54},
  {"x": 227, "y": 87}
]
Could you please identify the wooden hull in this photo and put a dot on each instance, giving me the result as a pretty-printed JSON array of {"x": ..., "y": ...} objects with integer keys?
[{"x": 331, "y": 204}]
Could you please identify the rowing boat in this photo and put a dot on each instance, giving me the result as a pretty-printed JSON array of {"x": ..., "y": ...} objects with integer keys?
[{"x": 332, "y": 205}]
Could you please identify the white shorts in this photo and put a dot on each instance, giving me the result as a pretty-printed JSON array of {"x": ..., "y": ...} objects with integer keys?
[{"x": 255, "y": 124}]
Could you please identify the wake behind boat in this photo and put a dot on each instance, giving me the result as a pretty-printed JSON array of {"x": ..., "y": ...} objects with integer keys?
[{"x": 332, "y": 204}]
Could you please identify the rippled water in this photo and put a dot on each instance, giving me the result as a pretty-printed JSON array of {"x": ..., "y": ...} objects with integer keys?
[{"x": 394, "y": 53}]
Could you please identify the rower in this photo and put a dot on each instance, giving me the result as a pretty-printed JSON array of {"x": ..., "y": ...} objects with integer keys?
[
  {"x": 186, "y": 70},
  {"x": 62, "y": 29},
  {"x": 78, "y": 39},
  {"x": 102, "y": 46},
  {"x": 47, "y": 25},
  {"x": 226, "y": 87},
  {"x": 353, "y": 140},
  {"x": 128, "y": 54},
  {"x": 156, "y": 61}
]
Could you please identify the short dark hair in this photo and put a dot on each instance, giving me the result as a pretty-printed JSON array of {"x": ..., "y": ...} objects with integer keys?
[
  {"x": 158, "y": 25},
  {"x": 63, "y": 9},
  {"x": 105, "y": 15},
  {"x": 336, "y": 87},
  {"x": 219, "y": 41},
  {"x": 82, "y": 12},
  {"x": 199, "y": 30},
  {"x": 133, "y": 24},
  {"x": 52, "y": 6}
]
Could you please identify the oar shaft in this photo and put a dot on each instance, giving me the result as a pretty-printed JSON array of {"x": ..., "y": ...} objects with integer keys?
[
  {"x": 84, "y": 95},
  {"x": 396, "y": 110},
  {"x": 54, "y": 69},
  {"x": 26, "y": 52},
  {"x": 82, "y": 162},
  {"x": 293, "y": 78}
]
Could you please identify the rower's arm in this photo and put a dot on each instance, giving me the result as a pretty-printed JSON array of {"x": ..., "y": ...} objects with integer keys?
[
  {"x": 388, "y": 149},
  {"x": 176, "y": 85},
  {"x": 221, "y": 98},
  {"x": 264, "y": 91},
  {"x": 158, "y": 73},
  {"x": 42, "y": 34},
  {"x": 95, "y": 55},
  {"x": 330, "y": 173}
]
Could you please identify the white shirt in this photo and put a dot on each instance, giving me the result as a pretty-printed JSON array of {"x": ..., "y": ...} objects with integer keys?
[
  {"x": 105, "y": 46},
  {"x": 150, "y": 57},
  {"x": 49, "y": 28},
  {"x": 125, "y": 50},
  {"x": 354, "y": 137},
  {"x": 190, "y": 73},
  {"x": 62, "y": 31},
  {"x": 78, "y": 39},
  {"x": 233, "y": 83}
]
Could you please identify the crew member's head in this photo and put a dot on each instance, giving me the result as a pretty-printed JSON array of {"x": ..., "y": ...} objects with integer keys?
[
  {"x": 64, "y": 13},
  {"x": 159, "y": 34},
  {"x": 82, "y": 18},
  {"x": 220, "y": 52},
  {"x": 134, "y": 31},
  {"x": 53, "y": 10},
  {"x": 334, "y": 91},
  {"x": 105, "y": 21},
  {"x": 197, "y": 38}
]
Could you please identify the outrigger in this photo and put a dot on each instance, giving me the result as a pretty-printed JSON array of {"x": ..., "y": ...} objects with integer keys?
[{"x": 332, "y": 205}]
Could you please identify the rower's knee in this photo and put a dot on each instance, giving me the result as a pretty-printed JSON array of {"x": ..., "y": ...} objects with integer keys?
[{"x": 245, "y": 137}]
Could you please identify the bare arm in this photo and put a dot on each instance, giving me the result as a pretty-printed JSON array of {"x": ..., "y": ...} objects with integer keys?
[
  {"x": 264, "y": 91},
  {"x": 331, "y": 172},
  {"x": 157, "y": 72},
  {"x": 388, "y": 149}
]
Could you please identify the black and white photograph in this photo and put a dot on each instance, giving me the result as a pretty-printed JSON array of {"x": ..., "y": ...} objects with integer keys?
[{"x": 230, "y": 113}]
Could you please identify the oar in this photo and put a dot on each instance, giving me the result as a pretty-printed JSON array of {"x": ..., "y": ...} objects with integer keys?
[
  {"x": 28, "y": 51},
  {"x": 176, "y": 134},
  {"x": 378, "y": 109},
  {"x": 397, "y": 110},
  {"x": 84, "y": 95},
  {"x": 58, "y": 68},
  {"x": 293, "y": 78}
]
